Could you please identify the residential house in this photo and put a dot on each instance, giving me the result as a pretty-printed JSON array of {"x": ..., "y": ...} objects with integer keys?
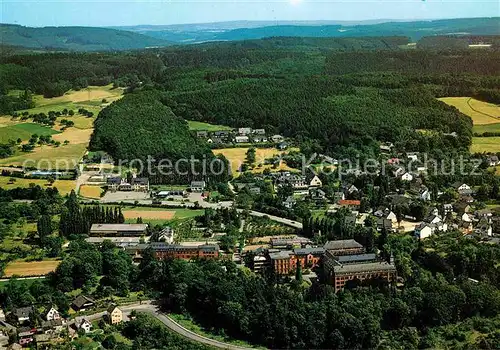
[
  {"x": 259, "y": 131},
  {"x": 462, "y": 207},
  {"x": 484, "y": 227},
  {"x": 113, "y": 183},
  {"x": 466, "y": 217},
  {"x": 166, "y": 235},
  {"x": 352, "y": 190},
  {"x": 259, "y": 139},
  {"x": 202, "y": 134},
  {"x": 424, "y": 230},
  {"x": 413, "y": 156},
  {"x": 315, "y": 181},
  {"x": 389, "y": 215},
  {"x": 140, "y": 184},
  {"x": 297, "y": 182},
  {"x": 23, "y": 313},
  {"x": 352, "y": 204},
  {"x": 244, "y": 131},
  {"x": 82, "y": 303},
  {"x": 4, "y": 340},
  {"x": 316, "y": 194},
  {"x": 52, "y": 326},
  {"x": 384, "y": 224},
  {"x": 277, "y": 138},
  {"x": 25, "y": 335},
  {"x": 197, "y": 186},
  {"x": 433, "y": 219},
  {"x": 52, "y": 314},
  {"x": 85, "y": 325},
  {"x": 386, "y": 147},
  {"x": 447, "y": 209},
  {"x": 115, "y": 315},
  {"x": 425, "y": 195},
  {"x": 407, "y": 177},
  {"x": 289, "y": 202},
  {"x": 399, "y": 171},
  {"x": 493, "y": 160},
  {"x": 2, "y": 316},
  {"x": 462, "y": 188},
  {"x": 393, "y": 161},
  {"x": 241, "y": 139}
]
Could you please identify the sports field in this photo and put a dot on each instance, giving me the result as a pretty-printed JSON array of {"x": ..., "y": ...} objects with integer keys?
[{"x": 32, "y": 268}]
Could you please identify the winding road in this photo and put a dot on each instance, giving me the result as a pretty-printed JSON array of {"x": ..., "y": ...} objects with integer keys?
[{"x": 152, "y": 309}]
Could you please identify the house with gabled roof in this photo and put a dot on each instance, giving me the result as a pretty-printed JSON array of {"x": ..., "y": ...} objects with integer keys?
[{"x": 82, "y": 303}]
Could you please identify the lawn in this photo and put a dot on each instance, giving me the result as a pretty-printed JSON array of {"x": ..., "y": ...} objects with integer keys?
[
  {"x": 159, "y": 215},
  {"x": 485, "y": 144},
  {"x": 23, "y": 131},
  {"x": 31, "y": 268},
  {"x": 480, "y": 112},
  {"x": 64, "y": 186},
  {"x": 198, "y": 126},
  {"x": 236, "y": 157}
]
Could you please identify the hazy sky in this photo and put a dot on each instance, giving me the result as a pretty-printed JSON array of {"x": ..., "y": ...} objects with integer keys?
[{"x": 132, "y": 12}]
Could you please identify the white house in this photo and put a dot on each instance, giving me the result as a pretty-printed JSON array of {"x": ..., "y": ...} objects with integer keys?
[
  {"x": 398, "y": 171},
  {"x": 241, "y": 139},
  {"x": 423, "y": 231},
  {"x": 425, "y": 195},
  {"x": 244, "y": 131},
  {"x": 407, "y": 177},
  {"x": 391, "y": 216},
  {"x": 277, "y": 138},
  {"x": 412, "y": 156},
  {"x": 466, "y": 217},
  {"x": 85, "y": 325},
  {"x": 315, "y": 182},
  {"x": 52, "y": 314}
]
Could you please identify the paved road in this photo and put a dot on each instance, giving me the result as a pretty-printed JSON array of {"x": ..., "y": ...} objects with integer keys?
[{"x": 170, "y": 323}]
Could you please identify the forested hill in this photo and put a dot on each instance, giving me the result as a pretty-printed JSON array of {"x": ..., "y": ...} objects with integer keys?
[
  {"x": 76, "y": 38},
  {"x": 188, "y": 34}
]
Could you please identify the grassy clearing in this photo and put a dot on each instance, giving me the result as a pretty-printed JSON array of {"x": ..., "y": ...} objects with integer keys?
[
  {"x": 237, "y": 156},
  {"x": 31, "y": 268},
  {"x": 23, "y": 131},
  {"x": 151, "y": 214},
  {"x": 480, "y": 112},
  {"x": 485, "y": 144},
  {"x": 198, "y": 126},
  {"x": 64, "y": 186},
  {"x": 45, "y": 157}
]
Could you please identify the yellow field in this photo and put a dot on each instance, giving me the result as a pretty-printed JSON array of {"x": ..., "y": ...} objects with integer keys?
[
  {"x": 485, "y": 144},
  {"x": 74, "y": 136},
  {"x": 32, "y": 268},
  {"x": 64, "y": 157},
  {"x": 64, "y": 186},
  {"x": 480, "y": 112},
  {"x": 237, "y": 156},
  {"x": 92, "y": 93},
  {"x": 93, "y": 192}
]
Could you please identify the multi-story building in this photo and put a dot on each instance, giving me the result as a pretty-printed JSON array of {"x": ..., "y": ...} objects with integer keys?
[
  {"x": 165, "y": 251},
  {"x": 344, "y": 247},
  {"x": 340, "y": 275},
  {"x": 282, "y": 262},
  {"x": 308, "y": 257},
  {"x": 116, "y": 230}
]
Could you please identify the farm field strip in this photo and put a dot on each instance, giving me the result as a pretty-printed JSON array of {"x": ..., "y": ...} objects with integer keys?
[{"x": 31, "y": 268}]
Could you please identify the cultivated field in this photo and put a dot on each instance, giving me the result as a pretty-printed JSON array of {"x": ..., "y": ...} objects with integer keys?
[
  {"x": 486, "y": 118},
  {"x": 64, "y": 186},
  {"x": 237, "y": 156},
  {"x": 45, "y": 157},
  {"x": 32, "y": 268},
  {"x": 485, "y": 144},
  {"x": 93, "y": 192},
  {"x": 480, "y": 112}
]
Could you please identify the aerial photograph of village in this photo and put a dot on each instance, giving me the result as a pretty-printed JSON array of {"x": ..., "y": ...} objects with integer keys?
[{"x": 211, "y": 174}]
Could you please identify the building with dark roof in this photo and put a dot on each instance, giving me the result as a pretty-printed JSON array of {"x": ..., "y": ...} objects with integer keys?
[
  {"x": 82, "y": 303},
  {"x": 117, "y": 230},
  {"x": 340, "y": 275},
  {"x": 176, "y": 251},
  {"x": 344, "y": 247}
]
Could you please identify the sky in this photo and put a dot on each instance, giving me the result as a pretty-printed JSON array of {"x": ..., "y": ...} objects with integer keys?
[{"x": 160, "y": 12}]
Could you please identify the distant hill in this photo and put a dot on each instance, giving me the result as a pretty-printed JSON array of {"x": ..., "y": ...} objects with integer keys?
[
  {"x": 76, "y": 38},
  {"x": 240, "y": 30}
]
